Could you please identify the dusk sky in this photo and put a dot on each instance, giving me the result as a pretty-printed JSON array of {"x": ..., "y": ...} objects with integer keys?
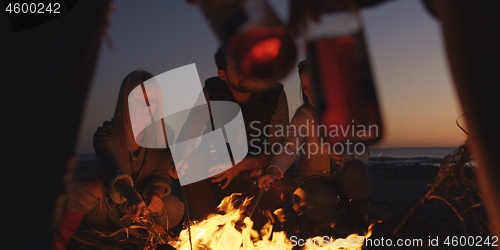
[{"x": 415, "y": 90}]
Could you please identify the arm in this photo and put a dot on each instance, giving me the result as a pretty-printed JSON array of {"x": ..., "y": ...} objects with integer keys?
[
  {"x": 193, "y": 128},
  {"x": 278, "y": 120},
  {"x": 121, "y": 185},
  {"x": 282, "y": 162},
  {"x": 194, "y": 125},
  {"x": 160, "y": 182},
  {"x": 135, "y": 201},
  {"x": 248, "y": 163},
  {"x": 108, "y": 156},
  {"x": 295, "y": 138}
]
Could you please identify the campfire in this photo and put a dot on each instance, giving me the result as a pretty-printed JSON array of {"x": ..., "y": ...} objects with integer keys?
[{"x": 227, "y": 230}]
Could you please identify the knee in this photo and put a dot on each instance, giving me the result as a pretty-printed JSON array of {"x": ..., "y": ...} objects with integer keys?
[
  {"x": 316, "y": 199},
  {"x": 284, "y": 186},
  {"x": 173, "y": 208},
  {"x": 95, "y": 187},
  {"x": 85, "y": 196},
  {"x": 356, "y": 171},
  {"x": 355, "y": 167}
]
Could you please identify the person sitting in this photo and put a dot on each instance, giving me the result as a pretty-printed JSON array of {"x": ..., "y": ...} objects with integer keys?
[
  {"x": 131, "y": 178},
  {"x": 264, "y": 112},
  {"x": 326, "y": 179}
]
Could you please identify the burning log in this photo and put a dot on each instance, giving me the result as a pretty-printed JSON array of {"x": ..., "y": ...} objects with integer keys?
[
  {"x": 144, "y": 232},
  {"x": 218, "y": 231}
]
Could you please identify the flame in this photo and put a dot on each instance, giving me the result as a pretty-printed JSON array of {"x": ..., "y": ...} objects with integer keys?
[{"x": 220, "y": 232}]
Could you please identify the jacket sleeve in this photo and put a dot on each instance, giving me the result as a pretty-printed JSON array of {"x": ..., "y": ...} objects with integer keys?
[
  {"x": 107, "y": 153},
  {"x": 293, "y": 141},
  {"x": 160, "y": 176},
  {"x": 193, "y": 127}
]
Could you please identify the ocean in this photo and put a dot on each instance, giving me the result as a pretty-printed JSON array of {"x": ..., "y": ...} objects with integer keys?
[
  {"x": 409, "y": 156},
  {"x": 390, "y": 156}
]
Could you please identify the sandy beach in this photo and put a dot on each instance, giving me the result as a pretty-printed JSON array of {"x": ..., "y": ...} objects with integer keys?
[{"x": 395, "y": 189}]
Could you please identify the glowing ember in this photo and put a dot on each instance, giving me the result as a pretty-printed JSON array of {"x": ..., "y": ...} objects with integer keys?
[{"x": 220, "y": 232}]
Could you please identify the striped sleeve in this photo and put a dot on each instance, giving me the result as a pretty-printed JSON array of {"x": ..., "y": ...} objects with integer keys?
[{"x": 295, "y": 136}]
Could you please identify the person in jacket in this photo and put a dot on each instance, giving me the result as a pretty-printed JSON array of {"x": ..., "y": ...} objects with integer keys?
[
  {"x": 131, "y": 178},
  {"x": 263, "y": 113}
]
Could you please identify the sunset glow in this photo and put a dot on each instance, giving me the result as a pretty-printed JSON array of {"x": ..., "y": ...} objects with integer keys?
[{"x": 416, "y": 95}]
